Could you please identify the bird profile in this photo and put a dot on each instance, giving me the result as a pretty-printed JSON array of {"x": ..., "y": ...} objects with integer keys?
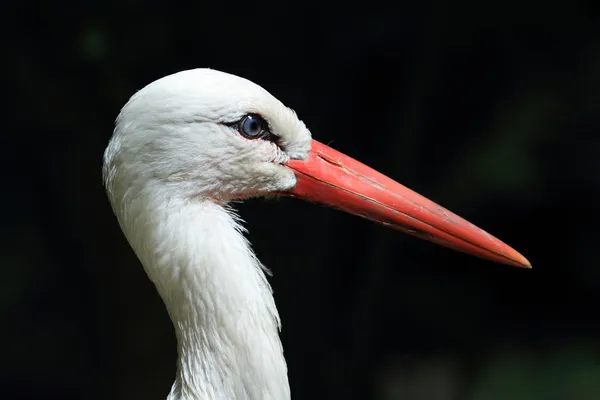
[{"x": 183, "y": 148}]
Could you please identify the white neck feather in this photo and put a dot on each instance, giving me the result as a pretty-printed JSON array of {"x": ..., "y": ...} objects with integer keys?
[{"x": 218, "y": 298}]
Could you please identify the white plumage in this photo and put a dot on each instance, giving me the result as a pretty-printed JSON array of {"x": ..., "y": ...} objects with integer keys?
[{"x": 170, "y": 169}]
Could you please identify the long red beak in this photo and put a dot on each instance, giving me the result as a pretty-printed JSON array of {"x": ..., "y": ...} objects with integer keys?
[{"x": 331, "y": 178}]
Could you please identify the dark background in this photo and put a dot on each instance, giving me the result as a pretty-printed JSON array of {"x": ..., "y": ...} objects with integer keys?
[{"x": 492, "y": 110}]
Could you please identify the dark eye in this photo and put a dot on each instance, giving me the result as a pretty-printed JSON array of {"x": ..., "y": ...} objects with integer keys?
[{"x": 253, "y": 127}]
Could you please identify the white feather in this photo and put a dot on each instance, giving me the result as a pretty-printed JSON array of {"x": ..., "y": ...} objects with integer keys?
[{"x": 170, "y": 169}]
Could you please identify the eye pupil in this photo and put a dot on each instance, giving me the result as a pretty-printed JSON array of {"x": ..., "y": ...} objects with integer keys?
[{"x": 252, "y": 126}]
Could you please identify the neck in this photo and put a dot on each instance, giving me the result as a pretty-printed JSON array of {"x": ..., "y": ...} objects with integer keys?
[{"x": 219, "y": 300}]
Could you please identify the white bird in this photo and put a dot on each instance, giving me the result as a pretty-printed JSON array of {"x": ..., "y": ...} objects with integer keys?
[{"x": 183, "y": 148}]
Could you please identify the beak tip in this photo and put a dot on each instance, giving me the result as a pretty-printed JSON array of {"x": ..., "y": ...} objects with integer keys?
[{"x": 522, "y": 262}]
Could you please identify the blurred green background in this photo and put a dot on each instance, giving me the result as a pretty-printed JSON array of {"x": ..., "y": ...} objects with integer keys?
[{"x": 491, "y": 109}]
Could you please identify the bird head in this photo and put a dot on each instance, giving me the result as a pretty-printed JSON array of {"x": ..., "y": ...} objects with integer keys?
[
  {"x": 206, "y": 135},
  {"x": 209, "y": 135}
]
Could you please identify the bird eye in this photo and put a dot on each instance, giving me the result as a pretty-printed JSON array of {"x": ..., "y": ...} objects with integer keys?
[{"x": 253, "y": 127}]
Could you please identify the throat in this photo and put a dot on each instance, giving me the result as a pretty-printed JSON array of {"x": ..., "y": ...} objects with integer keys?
[{"x": 219, "y": 301}]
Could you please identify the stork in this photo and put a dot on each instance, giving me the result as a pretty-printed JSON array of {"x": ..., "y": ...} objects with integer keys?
[{"x": 183, "y": 148}]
